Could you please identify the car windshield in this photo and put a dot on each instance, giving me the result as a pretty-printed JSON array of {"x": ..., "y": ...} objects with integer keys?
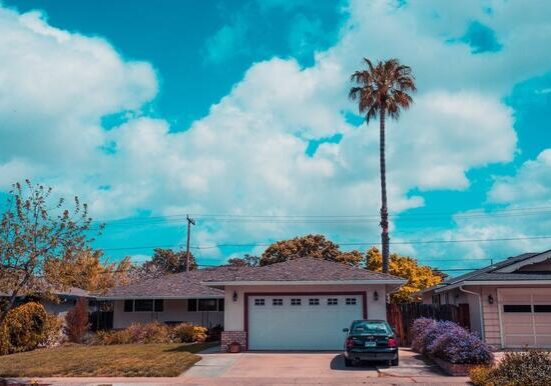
[{"x": 370, "y": 328}]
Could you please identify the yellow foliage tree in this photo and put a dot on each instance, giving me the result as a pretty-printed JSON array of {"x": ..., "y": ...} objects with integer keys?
[{"x": 419, "y": 276}]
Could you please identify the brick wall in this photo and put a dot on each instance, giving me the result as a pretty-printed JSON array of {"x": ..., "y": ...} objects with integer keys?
[{"x": 229, "y": 337}]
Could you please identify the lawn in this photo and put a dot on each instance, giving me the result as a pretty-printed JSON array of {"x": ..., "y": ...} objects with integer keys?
[{"x": 128, "y": 360}]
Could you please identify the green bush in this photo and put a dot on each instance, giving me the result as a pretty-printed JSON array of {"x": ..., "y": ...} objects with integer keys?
[
  {"x": 26, "y": 327},
  {"x": 531, "y": 368}
]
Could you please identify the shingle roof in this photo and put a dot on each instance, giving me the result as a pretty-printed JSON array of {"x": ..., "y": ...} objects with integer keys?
[
  {"x": 512, "y": 276},
  {"x": 304, "y": 269},
  {"x": 178, "y": 285}
]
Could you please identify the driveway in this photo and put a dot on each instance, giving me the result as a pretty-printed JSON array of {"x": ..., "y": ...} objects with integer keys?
[{"x": 290, "y": 368}]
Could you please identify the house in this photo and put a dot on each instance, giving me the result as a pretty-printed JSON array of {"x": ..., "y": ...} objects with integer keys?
[
  {"x": 66, "y": 299},
  {"x": 300, "y": 304},
  {"x": 509, "y": 302}
]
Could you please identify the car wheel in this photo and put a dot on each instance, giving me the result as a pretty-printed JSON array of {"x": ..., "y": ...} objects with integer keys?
[
  {"x": 395, "y": 362},
  {"x": 348, "y": 362}
]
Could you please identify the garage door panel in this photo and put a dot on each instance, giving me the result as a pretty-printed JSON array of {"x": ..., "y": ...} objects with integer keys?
[
  {"x": 525, "y": 316},
  {"x": 300, "y": 322}
]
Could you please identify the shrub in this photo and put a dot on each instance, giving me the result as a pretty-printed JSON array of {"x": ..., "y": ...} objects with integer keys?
[
  {"x": 418, "y": 331},
  {"x": 531, "y": 368},
  {"x": 449, "y": 341},
  {"x": 53, "y": 331},
  {"x": 24, "y": 328},
  {"x": 77, "y": 322},
  {"x": 480, "y": 376},
  {"x": 153, "y": 333}
]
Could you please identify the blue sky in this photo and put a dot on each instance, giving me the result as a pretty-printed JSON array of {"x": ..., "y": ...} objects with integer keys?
[{"x": 237, "y": 112}]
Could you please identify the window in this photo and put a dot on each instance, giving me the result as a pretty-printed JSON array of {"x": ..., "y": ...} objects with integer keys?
[
  {"x": 128, "y": 305},
  {"x": 295, "y": 302},
  {"x": 371, "y": 327},
  {"x": 192, "y": 305},
  {"x": 542, "y": 307},
  {"x": 277, "y": 302},
  {"x": 259, "y": 302},
  {"x": 351, "y": 301},
  {"x": 208, "y": 304},
  {"x": 159, "y": 305},
  {"x": 314, "y": 302},
  {"x": 332, "y": 301},
  {"x": 517, "y": 308},
  {"x": 143, "y": 305},
  {"x": 220, "y": 304}
]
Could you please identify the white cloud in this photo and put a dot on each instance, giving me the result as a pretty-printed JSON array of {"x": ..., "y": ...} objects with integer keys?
[{"x": 248, "y": 154}]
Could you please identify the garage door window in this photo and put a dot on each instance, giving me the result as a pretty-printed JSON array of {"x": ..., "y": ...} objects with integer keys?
[
  {"x": 332, "y": 301},
  {"x": 351, "y": 301},
  {"x": 295, "y": 302},
  {"x": 259, "y": 302},
  {"x": 517, "y": 308},
  {"x": 277, "y": 302},
  {"x": 542, "y": 307},
  {"x": 314, "y": 302}
]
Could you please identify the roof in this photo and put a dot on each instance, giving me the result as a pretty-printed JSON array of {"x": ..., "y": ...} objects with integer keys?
[
  {"x": 70, "y": 291},
  {"x": 498, "y": 272},
  {"x": 305, "y": 269},
  {"x": 178, "y": 285}
]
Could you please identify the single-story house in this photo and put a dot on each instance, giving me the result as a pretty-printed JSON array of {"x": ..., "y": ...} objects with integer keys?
[
  {"x": 66, "y": 299},
  {"x": 300, "y": 304},
  {"x": 509, "y": 302}
]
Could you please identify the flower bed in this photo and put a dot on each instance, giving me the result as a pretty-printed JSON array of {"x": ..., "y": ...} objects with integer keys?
[{"x": 453, "y": 348}]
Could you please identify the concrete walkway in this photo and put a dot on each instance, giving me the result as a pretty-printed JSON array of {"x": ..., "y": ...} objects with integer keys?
[{"x": 292, "y": 368}]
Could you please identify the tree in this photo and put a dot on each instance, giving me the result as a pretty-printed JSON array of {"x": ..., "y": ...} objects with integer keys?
[
  {"x": 419, "y": 276},
  {"x": 77, "y": 321},
  {"x": 169, "y": 261},
  {"x": 88, "y": 272},
  {"x": 382, "y": 90},
  {"x": 316, "y": 246},
  {"x": 246, "y": 261},
  {"x": 34, "y": 232}
]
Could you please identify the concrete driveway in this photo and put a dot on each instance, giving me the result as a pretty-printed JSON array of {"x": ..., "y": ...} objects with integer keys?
[{"x": 289, "y": 368}]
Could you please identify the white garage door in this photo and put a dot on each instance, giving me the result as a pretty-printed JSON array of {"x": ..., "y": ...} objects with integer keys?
[
  {"x": 525, "y": 317},
  {"x": 308, "y": 322}
]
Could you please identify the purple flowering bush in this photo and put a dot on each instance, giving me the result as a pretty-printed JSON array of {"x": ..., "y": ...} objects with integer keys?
[
  {"x": 450, "y": 342},
  {"x": 419, "y": 330}
]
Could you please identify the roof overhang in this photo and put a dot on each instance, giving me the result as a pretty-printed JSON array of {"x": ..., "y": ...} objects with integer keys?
[
  {"x": 126, "y": 297},
  {"x": 303, "y": 282},
  {"x": 492, "y": 282},
  {"x": 531, "y": 260}
]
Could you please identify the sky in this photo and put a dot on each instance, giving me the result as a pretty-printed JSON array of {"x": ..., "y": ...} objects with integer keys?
[{"x": 236, "y": 112}]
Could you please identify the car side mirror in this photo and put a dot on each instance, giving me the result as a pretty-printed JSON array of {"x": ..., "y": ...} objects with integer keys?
[{"x": 345, "y": 330}]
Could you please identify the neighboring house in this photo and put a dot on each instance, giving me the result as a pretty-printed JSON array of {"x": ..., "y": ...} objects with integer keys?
[
  {"x": 300, "y": 304},
  {"x": 509, "y": 302},
  {"x": 66, "y": 300}
]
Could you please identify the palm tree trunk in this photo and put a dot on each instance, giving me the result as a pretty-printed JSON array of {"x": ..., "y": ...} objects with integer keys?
[{"x": 384, "y": 210}]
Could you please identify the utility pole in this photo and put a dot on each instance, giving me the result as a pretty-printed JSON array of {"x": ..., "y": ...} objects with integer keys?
[{"x": 190, "y": 222}]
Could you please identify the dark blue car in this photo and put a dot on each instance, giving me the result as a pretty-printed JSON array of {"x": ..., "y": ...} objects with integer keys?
[{"x": 371, "y": 340}]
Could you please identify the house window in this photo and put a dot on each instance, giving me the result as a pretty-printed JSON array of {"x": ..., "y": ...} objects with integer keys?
[
  {"x": 277, "y": 302},
  {"x": 192, "y": 305},
  {"x": 517, "y": 308},
  {"x": 159, "y": 305},
  {"x": 542, "y": 307},
  {"x": 259, "y": 302},
  {"x": 314, "y": 302},
  {"x": 208, "y": 304},
  {"x": 128, "y": 305},
  {"x": 332, "y": 301},
  {"x": 143, "y": 305},
  {"x": 295, "y": 302},
  {"x": 351, "y": 301},
  {"x": 220, "y": 304}
]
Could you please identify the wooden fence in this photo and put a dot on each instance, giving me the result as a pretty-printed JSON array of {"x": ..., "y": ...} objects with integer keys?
[{"x": 401, "y": 316}]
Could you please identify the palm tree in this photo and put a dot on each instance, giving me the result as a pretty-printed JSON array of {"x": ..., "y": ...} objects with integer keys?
[{"x": 382, "y": 90}]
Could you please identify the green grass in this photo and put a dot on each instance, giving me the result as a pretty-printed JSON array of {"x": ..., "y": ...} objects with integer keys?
[{"x": 128, "y": 360}]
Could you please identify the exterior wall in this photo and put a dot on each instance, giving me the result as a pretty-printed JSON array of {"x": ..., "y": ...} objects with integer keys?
[
  {"x": 175, "y": 310},
  {"x": 492, "y": 325},
  {"x": 235, "y": 311}
]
